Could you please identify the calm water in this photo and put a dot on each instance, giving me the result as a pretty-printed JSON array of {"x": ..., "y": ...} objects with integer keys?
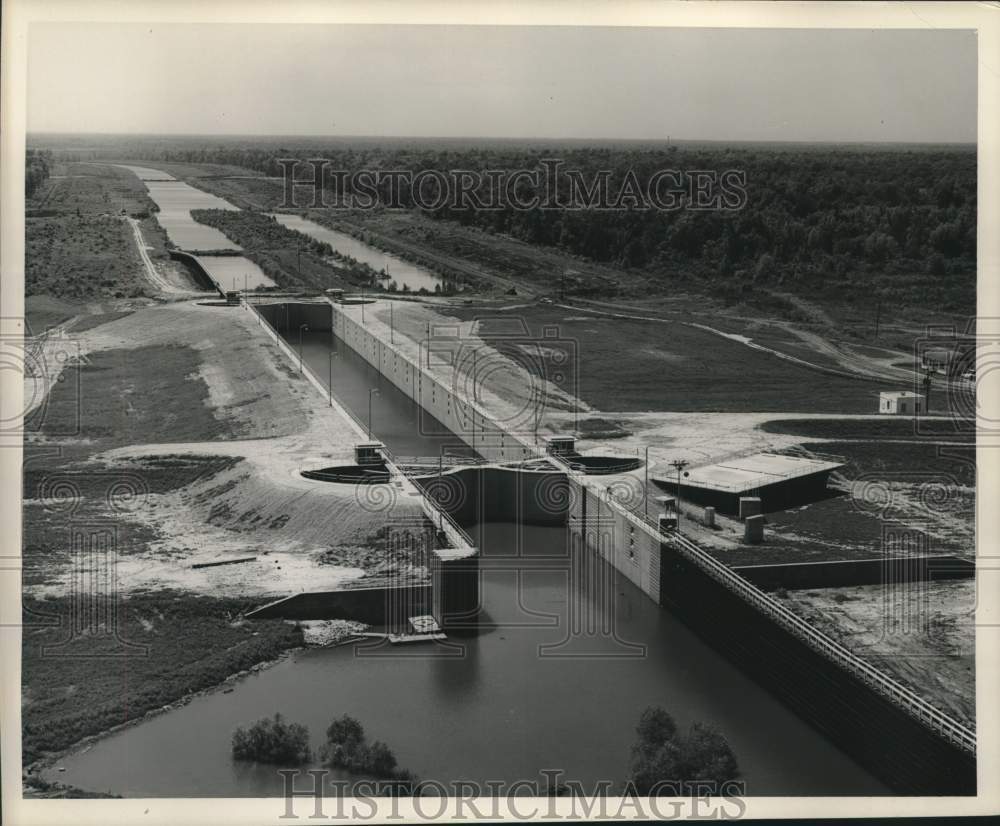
[
  {"x": 176, "y": 199},
  {"x": 399, "y": 270},
  {"x": 234, "y": 272},
  {"x": 518, "y": 697}
]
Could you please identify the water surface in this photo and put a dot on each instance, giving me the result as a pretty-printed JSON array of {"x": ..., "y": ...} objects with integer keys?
[{"x": 398, "y": 270}]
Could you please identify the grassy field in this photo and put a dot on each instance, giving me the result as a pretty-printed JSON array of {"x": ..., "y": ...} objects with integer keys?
[
  {"x": 82, "y": 257},
  {"x": 90, "y": 189},
  {"x": 89, "y": 322},
  {"x": 59, "y": 493},
  {"x": 890, "y": 427},
  {"x": 191, "y": 643},
  {"x": 903, "y": 461},
  {"x": 122, "y": 400},
  {"x": 43, "y": 312},
  {"x": 626, "y": 365}
]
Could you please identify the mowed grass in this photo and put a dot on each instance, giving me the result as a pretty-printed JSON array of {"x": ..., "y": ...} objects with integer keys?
[
  {"x": 627, "y": 365},
  {"x": 126, "y": 397},
  {"x": 85, "y": 685}
]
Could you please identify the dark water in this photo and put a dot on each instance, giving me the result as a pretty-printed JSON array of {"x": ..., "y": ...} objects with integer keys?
[
  {"x": 396, "y": 420},
  {"x": 570, "y": 656},
  {"x": 522, "y": 696}
]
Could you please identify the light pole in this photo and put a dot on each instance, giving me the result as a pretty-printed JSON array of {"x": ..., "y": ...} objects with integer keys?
[
  {"x": 372, "y": 391},
  {"x": 246, "y": 299},
  {"x": 333, "y": 355},
  {"x": 679, "y": 465},
  {"x": 301, "y": 328},
  {"x": 645, "y": 486}
]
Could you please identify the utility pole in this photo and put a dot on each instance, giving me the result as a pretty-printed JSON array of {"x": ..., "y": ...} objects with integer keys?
[
  {"x": 333, "y": 355},
  {"x": 392, "y": 326},
  {"x": 679, "y": 465},
  {"x": 878, "y": 316},
  {"x": 372, "y": 391},
  {"x": 301, "y": 328},
  {"x": 645, "y": 486}
]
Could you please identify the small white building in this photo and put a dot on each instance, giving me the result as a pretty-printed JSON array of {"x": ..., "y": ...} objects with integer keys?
[{"x": 900, "y": 403}]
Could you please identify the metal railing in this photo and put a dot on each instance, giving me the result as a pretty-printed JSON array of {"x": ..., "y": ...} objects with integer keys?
[{"x": 908, "y": 700}]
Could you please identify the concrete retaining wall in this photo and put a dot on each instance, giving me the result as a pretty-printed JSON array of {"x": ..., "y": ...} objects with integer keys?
[
  {"x": 382, "y": 606},
  {"x": 889, "y": 742},
  {"x": 446, "y": 404},
  {"x": 289, "y": 315},
  {"x": 614, "y": 536},
  {"x": 201, "y": 277}
]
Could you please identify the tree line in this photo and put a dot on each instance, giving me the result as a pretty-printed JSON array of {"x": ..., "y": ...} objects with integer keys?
[{"x": 813, "y": 213}]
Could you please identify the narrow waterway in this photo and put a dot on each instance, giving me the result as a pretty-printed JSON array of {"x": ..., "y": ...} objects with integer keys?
[
  {"x": 175, "y": 200},
  {"x": 402, "y": 272},
  {"x": 518, "y": 697}
]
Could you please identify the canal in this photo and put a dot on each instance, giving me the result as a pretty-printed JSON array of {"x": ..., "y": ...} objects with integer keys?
[
  {"x": 520, "y": 696},
  {"x": 395, "y": 269}
]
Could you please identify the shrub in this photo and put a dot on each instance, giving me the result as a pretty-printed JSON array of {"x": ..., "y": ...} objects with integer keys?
[
  {"x": 345, "y": 748},
  {"x": 663, "y": 755},
  {"x": 272, "y": 741}
]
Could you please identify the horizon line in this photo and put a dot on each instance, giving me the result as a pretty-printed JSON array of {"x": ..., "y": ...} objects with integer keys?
[{"x": 667, "y": 139}]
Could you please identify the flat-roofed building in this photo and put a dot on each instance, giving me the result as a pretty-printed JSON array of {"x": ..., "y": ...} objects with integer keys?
[
  {"x": 900, "y": 403},
  {"x": 779, "y": 481}
]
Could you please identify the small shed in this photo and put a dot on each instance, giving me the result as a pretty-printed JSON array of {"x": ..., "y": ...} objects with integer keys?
[
  {"x": 900, "y": 403},
  {"x": 369, "y": 453}
]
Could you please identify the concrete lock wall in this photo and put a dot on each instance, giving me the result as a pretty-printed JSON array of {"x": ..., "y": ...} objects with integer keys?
[
  {"x": 290, "y": 315},
  {"x": 608, "y": 532},
  {"x": 623, "y": 542},
  {"x": 876, "y": 729},
  {"x": 499, "y": 494},
  {"x": 884, "y": 737},
  {"x": 432, "y": 394}
]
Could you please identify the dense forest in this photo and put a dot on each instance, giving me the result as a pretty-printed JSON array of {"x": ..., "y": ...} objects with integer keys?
[{"x": 813, "y": 213}]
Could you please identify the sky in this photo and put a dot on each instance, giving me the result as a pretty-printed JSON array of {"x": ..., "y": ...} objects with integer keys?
[{"x": 505, "y": 82}]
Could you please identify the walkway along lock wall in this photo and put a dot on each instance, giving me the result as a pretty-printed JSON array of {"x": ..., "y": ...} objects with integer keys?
[{"x": 900, "y": 736}]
